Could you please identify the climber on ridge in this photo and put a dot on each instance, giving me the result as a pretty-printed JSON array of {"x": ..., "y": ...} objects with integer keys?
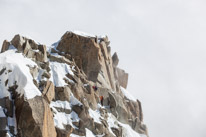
[
  {"x": 101, "y": 100},
  {"x": 95, "y": 88}
]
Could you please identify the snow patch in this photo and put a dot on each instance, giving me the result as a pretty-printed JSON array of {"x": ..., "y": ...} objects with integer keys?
[
  {"x": 127, "y": 94},
  {"x": 127, "y": 131},
  {"x": 2, "y": 112},
  {"x": 80, "y": 33},
  {"x": 58, "y": 73},
  {"x": 61, "y": 118},
  {"x": 17, "y": 71},
  {"x": 95, "y": 115},
  {"x": 74, "y": 101},
  {"x": 60, "y": 104},
  {"x": 89, "y": 133},
  {"x": 73, "y": 135}
]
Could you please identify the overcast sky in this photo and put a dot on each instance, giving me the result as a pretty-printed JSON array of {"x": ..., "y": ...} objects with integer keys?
[{"x": 160, "y": 43}]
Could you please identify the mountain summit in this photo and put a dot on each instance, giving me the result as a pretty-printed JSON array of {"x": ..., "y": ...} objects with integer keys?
[{"x": 72, "y": 88}]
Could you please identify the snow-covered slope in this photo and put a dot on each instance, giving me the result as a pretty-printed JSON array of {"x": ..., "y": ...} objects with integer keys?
[{"x": 15, "y": 71}]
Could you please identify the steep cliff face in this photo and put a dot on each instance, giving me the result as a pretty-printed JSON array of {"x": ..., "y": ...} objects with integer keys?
[{"x": 57, "y": 90}]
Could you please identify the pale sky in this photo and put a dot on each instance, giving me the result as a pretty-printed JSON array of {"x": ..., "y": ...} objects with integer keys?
[{"x": 160, "y": 43}]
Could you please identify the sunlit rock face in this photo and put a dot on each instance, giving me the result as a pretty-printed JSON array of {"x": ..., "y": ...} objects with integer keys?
[{"x": 69, "y": 89}]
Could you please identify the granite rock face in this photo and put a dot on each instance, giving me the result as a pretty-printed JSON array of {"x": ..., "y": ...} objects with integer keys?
[{"x": 80, "y": 90}]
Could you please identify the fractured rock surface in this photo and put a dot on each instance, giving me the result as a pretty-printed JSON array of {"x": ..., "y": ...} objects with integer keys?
[{"x": 78, "y": 90}]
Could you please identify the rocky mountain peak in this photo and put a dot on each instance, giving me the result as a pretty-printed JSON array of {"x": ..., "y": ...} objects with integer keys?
[{"x": 71, "y": 88}]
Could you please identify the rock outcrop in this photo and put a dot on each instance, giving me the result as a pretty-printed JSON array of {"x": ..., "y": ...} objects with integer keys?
[{"x": 59, "y": 95}]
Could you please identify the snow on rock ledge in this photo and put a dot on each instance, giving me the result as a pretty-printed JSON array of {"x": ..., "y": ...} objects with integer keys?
[
  {"x": 127, "y": 94},
  {"x": 14, "y": 70}
]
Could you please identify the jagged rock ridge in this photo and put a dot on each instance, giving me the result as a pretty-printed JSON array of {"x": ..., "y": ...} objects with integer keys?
[{"x": 48, "y": 91}]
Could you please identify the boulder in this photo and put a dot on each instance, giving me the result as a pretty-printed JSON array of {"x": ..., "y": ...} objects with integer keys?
[
  {"x": 115, "y": 60},
  {"x": 48, "y": 91},
  {"x": 62, "y": 93},
  {"x": 29, "y": 48},
  {"x": 39, "y": 56},
  {"x": 5, "y": 46},
  {"x": 18, "y": 42},
  {"x": 34, "y": 118},
  {"x": 43, "y": 50}
]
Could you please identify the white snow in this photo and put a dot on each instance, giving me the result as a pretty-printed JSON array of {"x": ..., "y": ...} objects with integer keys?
[
  {"x": 127, "y": 94},
  {"x": 89, "y": 133},
  {"x": 61, "y": 118},
  {"x": 95, "y": 115},
  {"x": 60, "y": 104},
  {"x": 83, "y": 34},
  {"x": 74, "y": 101},
  {"x": 127, "y": 131},
  {"x": 58, "y": 73},
  {"x": 54, "y": 46},
  {"x": 2, "y": 112},
  {"x": 142, "y": 135},
  {"x": 74, "y": 135},
  {"x": 20, "y": 73},
  {"x": 11, "y": 121},
  {"x": 39, "y": 75},
  {"x": 112, "y": 121},
  {"x": 8, "y": 134}
]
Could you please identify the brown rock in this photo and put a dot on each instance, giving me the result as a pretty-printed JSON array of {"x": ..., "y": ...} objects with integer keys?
[
  {"x": 34, "y": 118},
  {"x": 26, "y": 47},
  {"x": 3, "y": 133},
  {"x": 46, "y": 74},
  {"x": 18, "y": 42},
  {"x": 3, "y": 121},
  {"x": 90, "y": 97},
  {"x": 122, "y": 77},
  {"x": 33, "y": 44},
  {"x": 117, "y": 132},
  {"x": 31, "y": 54},
  {"x": 115, "y": 60},
  {"x": 89, "y": 56},
  {"x": 8, "y": 105},
  {"x": 62, "y": 93},
  {"x": 60, "y": 59},
  {"x": 48, "y": 91},
  {"x": 42, "y": 49},
  {"x": 5, "y": 46},
  {"x": 64, "y": 133},
  {"x": 39, "y": 56},
  {"x": 34, "y": 71}
]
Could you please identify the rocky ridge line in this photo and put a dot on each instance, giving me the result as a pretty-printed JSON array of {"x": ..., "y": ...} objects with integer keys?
[{"x": 64, "y": 102}]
